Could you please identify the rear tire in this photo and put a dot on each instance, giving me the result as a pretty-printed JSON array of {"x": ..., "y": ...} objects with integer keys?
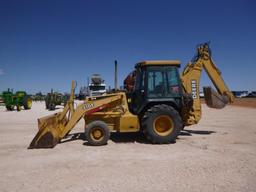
[
  {"x": 27, "y": 102},
  {"x": 10, "y": 107},
  {"x": 97, "y": 133},
  {"x": 51, "y": 106},
  {"x": 161, "y": 124}
]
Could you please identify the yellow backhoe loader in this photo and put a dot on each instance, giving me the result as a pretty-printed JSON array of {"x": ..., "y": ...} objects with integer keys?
[{"x": 158, "y": 101}]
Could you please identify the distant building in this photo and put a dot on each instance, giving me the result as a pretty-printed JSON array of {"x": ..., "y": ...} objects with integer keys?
[
  {"x": 240, "y": 94},
  {"x": 252, "y": 94},
  {"x": 201, "y": 94}
]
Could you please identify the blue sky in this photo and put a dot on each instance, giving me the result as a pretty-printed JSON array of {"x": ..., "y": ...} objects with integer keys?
[{"x": 45, "y": 44}]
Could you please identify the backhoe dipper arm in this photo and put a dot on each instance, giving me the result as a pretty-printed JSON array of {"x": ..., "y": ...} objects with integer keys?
[{"x": 191, "y": 79}]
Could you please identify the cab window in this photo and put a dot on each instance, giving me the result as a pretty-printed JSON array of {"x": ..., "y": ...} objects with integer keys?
[
  {"x": 162, "y": 81},
  {"x": 156, "y": 82},
  {"x": 172, "y": 81}
]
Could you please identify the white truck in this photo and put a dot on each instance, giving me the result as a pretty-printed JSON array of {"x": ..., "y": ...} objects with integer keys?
[{"x": 97, "y": 86}]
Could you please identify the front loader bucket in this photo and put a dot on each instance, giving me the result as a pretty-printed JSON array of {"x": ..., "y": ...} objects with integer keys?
[
  {"x": 213, "y": 99},
  {"x": 50, "y": 129}
]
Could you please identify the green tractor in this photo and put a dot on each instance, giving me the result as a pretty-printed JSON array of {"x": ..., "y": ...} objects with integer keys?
[
  {"x": 54, "y": 98},
  {"x": 19, "y": 99}
]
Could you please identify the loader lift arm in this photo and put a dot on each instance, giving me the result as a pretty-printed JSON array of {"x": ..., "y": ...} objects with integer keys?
[
  {"x": 190, "y": 81},
  {"x": 55, "y": 127}
]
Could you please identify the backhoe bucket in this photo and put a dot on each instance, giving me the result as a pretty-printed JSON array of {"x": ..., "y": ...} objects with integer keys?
[
  {"x": 213, "y": 99},
  {"x": 50, "y": 129}
]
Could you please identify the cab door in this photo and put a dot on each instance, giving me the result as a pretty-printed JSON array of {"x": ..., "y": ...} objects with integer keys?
[{"x": 138, "y": 95}]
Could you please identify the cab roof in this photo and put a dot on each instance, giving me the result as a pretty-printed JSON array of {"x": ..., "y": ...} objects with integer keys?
[{"x": 159, "y": 62}]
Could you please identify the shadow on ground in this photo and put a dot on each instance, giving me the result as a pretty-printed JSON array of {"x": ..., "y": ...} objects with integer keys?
[
  {"x": 130, "y": 137},
  {"x": 115, "y": 137},
  {"x": 73, "y": 137},
  {"x": 187, "y": 132}
]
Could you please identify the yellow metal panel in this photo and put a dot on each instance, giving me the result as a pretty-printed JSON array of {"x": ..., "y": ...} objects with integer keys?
[
  {"x": 117, "y": 117},
  {"x": 129, "y": 123},
  {"x": 111, "y": 120}
]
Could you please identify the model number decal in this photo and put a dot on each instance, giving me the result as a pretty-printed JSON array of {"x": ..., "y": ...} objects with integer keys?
[
  {"x": 88, "y": 106},
  {"x": 194, "y": 89}
]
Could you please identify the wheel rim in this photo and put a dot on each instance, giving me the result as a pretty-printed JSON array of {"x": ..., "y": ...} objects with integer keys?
[
  {"x": 29, "y": 103},
  {"x": 163, "y": 125},
  {"x": 97, "y": 134}
]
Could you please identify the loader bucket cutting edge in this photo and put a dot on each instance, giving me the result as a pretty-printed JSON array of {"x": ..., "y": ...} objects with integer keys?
[
  {"x": 213, "y": 99},
  {"x": 50, "y": 129}
]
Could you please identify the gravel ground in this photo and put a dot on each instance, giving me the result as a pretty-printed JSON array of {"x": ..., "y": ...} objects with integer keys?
[{"x": 218, "y": 154}]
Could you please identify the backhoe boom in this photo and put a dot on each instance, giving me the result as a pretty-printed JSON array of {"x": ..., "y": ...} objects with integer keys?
[{"x": 190, "y": 81}]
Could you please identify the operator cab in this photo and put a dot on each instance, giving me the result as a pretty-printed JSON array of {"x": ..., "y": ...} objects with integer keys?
[{"x": 155, "y": 82}]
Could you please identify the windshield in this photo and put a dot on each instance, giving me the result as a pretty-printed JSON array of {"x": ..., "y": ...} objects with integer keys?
[{"x": 162, "y": 82}]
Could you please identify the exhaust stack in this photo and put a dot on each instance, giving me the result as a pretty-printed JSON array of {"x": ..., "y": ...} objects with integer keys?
[{"x": 115, "y": 75}]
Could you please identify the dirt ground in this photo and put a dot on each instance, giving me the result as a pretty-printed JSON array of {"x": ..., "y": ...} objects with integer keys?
[
  {"x": 245, "y": 102},
  {"x": 242, "y": 102},
  {"x": 218, "y": 154}
]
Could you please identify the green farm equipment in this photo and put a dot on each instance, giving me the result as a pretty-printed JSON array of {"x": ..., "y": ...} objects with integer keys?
[
  {"x": 1, "y": 100},
  {"x": 54, "y": 98},
  {"x": 19, "y": 99},
  {"x": 38, "y": 97}
]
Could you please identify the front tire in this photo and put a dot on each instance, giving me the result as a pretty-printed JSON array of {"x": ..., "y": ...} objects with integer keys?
[
  {"x": 97, "y": 133},
  {"x": 46, "y": 104},
  {"x": 18, "y": 108},
  {"x": 161, "y": 124}
]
